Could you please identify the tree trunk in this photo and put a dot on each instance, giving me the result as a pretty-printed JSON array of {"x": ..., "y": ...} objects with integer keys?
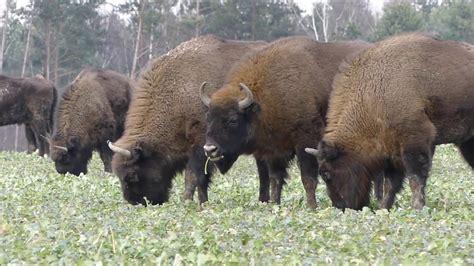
[
  {"x": 17, "y": 129},
  {"x": 324, "y": 19},
  {"x": 23, "y": 69},
  {"x": 316, "y": 35},
  {"x": 197, "y": 17},
  {"x": 27, "y": 48},
  {"x": 4, "y": 34},
  {"x": 150, "y": 49},
  {"x": 56, "y": 59},
  {"x": 254, "y": 18},
  {"x": 47, "y": 45},
  {"x": 137, "y": 40}
]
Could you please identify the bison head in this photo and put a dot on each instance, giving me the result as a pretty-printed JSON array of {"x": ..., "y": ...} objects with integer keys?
[
  {"x": 69, "y": 154},
  {"x": 230, "y": 127},
  {"x": 347, "y": 179},
  {"x": 145, "y": 174}
]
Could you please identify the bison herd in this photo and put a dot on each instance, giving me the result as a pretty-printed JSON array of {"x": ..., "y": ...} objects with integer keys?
[{"x": 359, "y": 115}]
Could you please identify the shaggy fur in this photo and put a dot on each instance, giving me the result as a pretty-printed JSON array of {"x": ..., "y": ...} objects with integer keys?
[
  {"x": 290, "y": 81},
  {"x": 388, "y": 110},
  {"x": 29, "y": 101},
  {"x": 165, "y": 127},
  {"x": 91, "y": 111}
]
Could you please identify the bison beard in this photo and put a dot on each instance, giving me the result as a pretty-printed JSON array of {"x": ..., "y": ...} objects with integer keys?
[{"x": 146, "y": 177}]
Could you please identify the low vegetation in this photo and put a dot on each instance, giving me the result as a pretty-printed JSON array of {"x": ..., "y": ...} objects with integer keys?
[{"x": 46, "y": 217}]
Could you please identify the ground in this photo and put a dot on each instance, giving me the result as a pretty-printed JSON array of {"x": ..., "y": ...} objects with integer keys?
[{"x": 46, "y": 217}]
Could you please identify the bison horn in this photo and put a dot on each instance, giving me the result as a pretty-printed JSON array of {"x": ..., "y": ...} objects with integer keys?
[
  {"x": 119, "y": 150},
  {"x": 204, "y": 98},
  {"x": 248, "y": 100},
  {"x": 311, "y": 151},
  {"x": 60, "y": 148}
]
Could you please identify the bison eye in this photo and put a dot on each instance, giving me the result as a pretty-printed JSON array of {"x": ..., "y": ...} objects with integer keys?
[{"x": 232, "y": 121}]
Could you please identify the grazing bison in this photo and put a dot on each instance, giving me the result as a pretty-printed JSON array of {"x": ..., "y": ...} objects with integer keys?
[
  {"x": 273, "y": 104},
  {"x": 388, "y": 110},
  {"x": 165, "y": 127},
  {"x": 29, "y": 101},
  {"x": 91, "y": 111}
]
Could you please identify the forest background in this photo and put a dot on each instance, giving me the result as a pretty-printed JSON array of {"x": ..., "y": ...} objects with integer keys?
[{"x": 59, "y": 38}]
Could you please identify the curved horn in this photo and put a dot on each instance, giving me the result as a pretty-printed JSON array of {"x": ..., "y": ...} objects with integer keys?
[
  {"x": 60, "y": 148},
  {"x": 248, "y": 100},
  {"x": 311, "y": 151},
  {"x": 204, "y": 98},
  {"x": 119, "y": 150}
]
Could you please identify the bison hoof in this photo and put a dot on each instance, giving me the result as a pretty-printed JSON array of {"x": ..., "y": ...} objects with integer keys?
[
  {"x": 312, "y": 205},
  {"x": 188, "y": 196},
  {"x": 418, "y": 204}
]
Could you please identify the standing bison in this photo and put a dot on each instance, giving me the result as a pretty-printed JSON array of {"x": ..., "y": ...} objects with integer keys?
[
  {"x": 29, "y": 101},
  {"x": 273, "y": 105},
  {"x": 91, "y": 111},
  {"x": 388, "y": 110},
  {"x": 165, "y": 127}
]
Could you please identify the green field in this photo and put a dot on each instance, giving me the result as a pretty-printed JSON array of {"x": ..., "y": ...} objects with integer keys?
[{"x": 46, "y": 217}]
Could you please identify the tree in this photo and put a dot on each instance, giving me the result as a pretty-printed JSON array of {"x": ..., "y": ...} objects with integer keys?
[
  {"x": 398, "y": 16},
  {"x": 250, "y": 20},
  {"x": 454, "y": 20},
  {"x": 341, "y": 20},
  {"x": 4, "y": 32}
]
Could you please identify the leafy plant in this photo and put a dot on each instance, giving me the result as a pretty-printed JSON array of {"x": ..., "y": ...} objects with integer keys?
[{"x": 46, "y": 217}]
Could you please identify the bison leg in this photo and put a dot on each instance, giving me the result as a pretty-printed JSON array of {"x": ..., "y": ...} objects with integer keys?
[
  {"x": 309, "y": 176},
  {"x": 190, "y": 183},
  {"x": 40, "y": 131},
  {"x": 30, "y": 138},
  {"x": 467, "y": 151},
  {"x": 278, "y": 174},
  {"x": 378, "y": 187},
  {"x": 418, "y": 185},
  {"x": 106, "y": 156},
  {"x": 393, "y": 183},
  {"x": 417, "y": 162},
  {"x": 264, "y": 178},
  {"x": 196, "y": 165}
]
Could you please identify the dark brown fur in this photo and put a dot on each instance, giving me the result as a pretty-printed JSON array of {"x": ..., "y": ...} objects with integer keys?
[
  {"x": 165, "y": 127},
  {"x": 91, "y": 111},
  {"x": 29, "y": 101},
  {"x": 388, "y": 110},
  {"x": 290, "y": 81}
]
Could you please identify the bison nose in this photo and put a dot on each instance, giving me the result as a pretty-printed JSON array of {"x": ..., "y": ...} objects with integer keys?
[{"x": 210, "y": 150}]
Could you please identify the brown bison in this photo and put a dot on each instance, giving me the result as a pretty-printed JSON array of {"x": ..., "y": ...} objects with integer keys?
[
  {"x": 91, "y": 111},
  {"x": 273, "y": 104},
  {"x": 165, "y": 127},
  {"x": 29, "y": 101},
  {"x": 388, "y": 110}
]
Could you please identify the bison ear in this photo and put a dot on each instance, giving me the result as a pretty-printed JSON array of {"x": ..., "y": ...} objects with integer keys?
[
  {"x": 254, "y": 108},
  {"x": 140, "y": 151},
  {"x": 137, "y": 153},
  {"x": 73, "y": 142},
  {"x": 329, "y": 150}
]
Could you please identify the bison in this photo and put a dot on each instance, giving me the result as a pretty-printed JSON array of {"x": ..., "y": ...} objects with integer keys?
[
  {"x": 29, "y": 101},
  {"x": 91, "y": 111},
  {"x": 273, "y": 105},
  {"x": 165, "y": 126},
  {"x": 388, "y": 110}
]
